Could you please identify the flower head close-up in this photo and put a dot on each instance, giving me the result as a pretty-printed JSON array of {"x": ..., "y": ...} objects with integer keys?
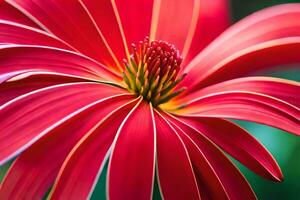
[{"x": 145, "y": 93}]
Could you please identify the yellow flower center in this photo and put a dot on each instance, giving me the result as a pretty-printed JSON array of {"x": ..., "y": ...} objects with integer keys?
[{"x": 153, "y": 71}]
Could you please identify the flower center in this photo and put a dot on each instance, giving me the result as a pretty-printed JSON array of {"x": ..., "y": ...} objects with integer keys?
[{"x": 153, "y": 71}]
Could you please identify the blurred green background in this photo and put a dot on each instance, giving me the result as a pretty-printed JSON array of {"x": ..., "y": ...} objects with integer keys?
[{"x": 284, "y": 147}]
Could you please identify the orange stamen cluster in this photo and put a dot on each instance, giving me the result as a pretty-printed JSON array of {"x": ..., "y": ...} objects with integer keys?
[{"x": 153, "y": 71}]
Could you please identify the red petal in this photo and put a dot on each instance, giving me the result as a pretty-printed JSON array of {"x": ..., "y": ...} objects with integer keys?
[
  {"x": 19, "y": 57},
  {"x": 267, "y": 38},
  {"x": 213, "y": 19},
  {"x": 69, "y": 21},
  {"x": 279, "y": 88},
  {"x": 10, "y": 13},
  {"x": 133, "y": 148},
  {"x": 233, "y": 183},
  {"x": 135, "y": 18},
  {"x": 175, "y": 18},
  {"x": 175, "y": 173},
  {"x": 83, "y": 166},
  {"x": 19, "y": 83},
  {"x": 238, "y": 143},
  {"x": 44, "y": 110},
  {"x": 35, "y": 170},
  {"x": 248, "y": 106},
  {"x": 108, "y": 26},
  {"x": 14, "y": 33}
]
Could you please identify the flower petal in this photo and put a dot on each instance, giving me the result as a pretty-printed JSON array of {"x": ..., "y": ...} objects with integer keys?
[
  {"x": 184, "y": 12},
  {"x": 232, "y": 181},
  {"x": 282, "y": 89},
  {"x": 213, "y": 19},
  {"x": 22, "y": 82},
  {"x": 248, "y": 106},
  {"x": 43, "y": 109},
  {"x": 175, "y": 172},
  {"x": 260, "y": 38},
  {"x": 10, "y": 13},
  {"x": 134, "y": 147},
  {"x": 77, "y": 181},
  {"x": 21, "y": 57},
  {"x": 14, "y": 33},
  {"x": 135, "y": 18},
  {"x": 35, "y": 170},
  {"x": 238, "y": 143},
  {"x": 69, "y": 21}
]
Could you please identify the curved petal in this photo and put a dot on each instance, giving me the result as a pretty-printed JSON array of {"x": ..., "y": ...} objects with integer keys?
[
  {"x": 134, "y": 18},
  {"x": 14, "y": 33},
  {"x": 30, "y": 57},
  {"x": 35, "y": 170},
  {"x": 233, "y": 49},
  {"x": 75, "y": 181},
  {"x": 185, "y": 13},
  {"x": 213, "y": 19},
  {"x": 175, "y": 172},
  {"x": 285, "y": 90},
  {"x": 22, "y": 82},
  {"x": 134, "y": 147},
  {"x": 238, "y": 143},
  {"x": 69, "y": 21},
  {"x": 43, "y": 109},
  {"x": 218, "y": 172},
  {"x": 248, "y": 106},
  {"x": 10, "y": 13}
]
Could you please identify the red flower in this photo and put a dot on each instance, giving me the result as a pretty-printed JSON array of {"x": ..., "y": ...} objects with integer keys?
[{"x": 70, "y": 103}]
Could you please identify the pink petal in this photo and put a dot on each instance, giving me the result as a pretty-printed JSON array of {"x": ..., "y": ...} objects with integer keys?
[
  {"x": 175, "y": 172},
  {"x": 107, "y": 24},
  {"x": 213, "y": 19},
  {"x": 175, "y": 17},
  {"x": 10, "y": 13},
  {"x": 255, "y": 43},
  {"x": 238, "y": 143},
  {"x": 14, "y": 33},
  {"x": 248, "y": 106},
  {"x": 21, "y": 82},
  {"x": 220, "y": 169},
  {"x": 43, "y": 109},
  {"x": 19, "y": 57},
  {"x": 282, "y": 89},
  {"x": 75, "y": 180},
  {"x": 69, "y": 21},
  {"x": 133, "y": 149},
  {"x": 135, "y": 18},
  {"x": 35, "y": 170}
]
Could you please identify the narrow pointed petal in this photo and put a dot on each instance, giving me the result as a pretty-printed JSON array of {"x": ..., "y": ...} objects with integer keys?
[
  {"x": 232, "y": 181},
  {"x": 83, "y": 166},
  {"x": 238, "y": 143},
  {"x": 248, "y": 106},
  {"x": 14, "y": 33},
  {"x": 282, "y": 89},
  {"x": 76, "y": 28},
  {"x": 134, "y": 148},
  {"x": 175, "y": 172},
  {"x": 107, "y": 24},
  {"x": 213, "y": 19},
  {"x": 22, "y": 82},
  {"x": 135, "y": 17},
  {"x": 40, "y": 109},
  {"x": 261, "y": 38},
  {"x": 32, "y": 172},
  {"x": 10, "y": 13},
  {"x": 184, "y": 12},
  {"x": 30, "y": 57}
]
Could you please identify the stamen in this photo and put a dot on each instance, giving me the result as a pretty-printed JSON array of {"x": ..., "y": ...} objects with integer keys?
[{"x": 153, "y": 71}]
